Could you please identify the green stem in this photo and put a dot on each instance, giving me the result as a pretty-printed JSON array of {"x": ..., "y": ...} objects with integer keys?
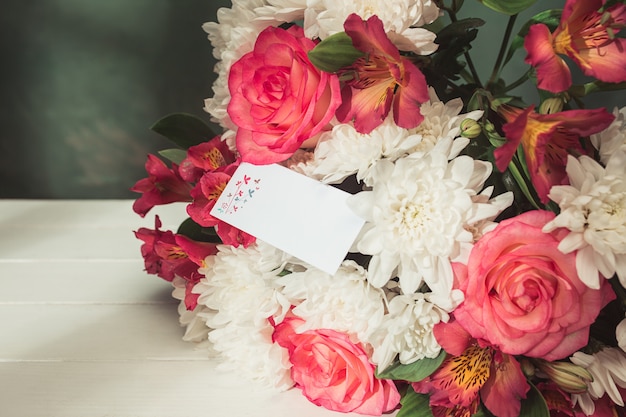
[
  {"x": 521, "y": 80},
  {"x": 502, "y": 52},
  {"x": 468, "y": 58}
]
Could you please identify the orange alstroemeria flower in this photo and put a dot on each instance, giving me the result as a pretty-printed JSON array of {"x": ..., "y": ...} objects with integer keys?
[
  {"x": 382, "y": 78},
  {"x": 547, "y": 139},
  {"x": 472, "y": 374},
  {"x": 587, "y": 37}
]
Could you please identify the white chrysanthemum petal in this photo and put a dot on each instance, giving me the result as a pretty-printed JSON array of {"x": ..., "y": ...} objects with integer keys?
[
  {"x": 368, "y": 240},
  {"x": 459, "y": 168},
  {"x": 586, "y": 268},
  {"x": 620, "y": 334},
  {"x": 613, "y": 138},
  {"x": 360, "y": 202},
  {"x": 571, "y": 242},
  {"x": 575, "y": 172},
  {"x": 418, "y": 40},
  {"x": 193, "y": 321},
  {"x": 382, "y": 267}
]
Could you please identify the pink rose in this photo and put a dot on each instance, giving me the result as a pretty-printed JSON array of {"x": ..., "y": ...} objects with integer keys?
[
  {"x": 278, "y": 98},
  {"x": 523, "y": 296},
  {"x": 333, "y": 372}
]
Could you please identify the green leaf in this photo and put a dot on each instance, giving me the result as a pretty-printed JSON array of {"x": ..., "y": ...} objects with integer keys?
[
  {"x": 458, "y": 29},
  {"x": 184, "y": 129},
  {"x": 198, "y": 233},
  {"x": 334, "y": 52},
  {"x": 550, "y": 18},
  {"x": 534, "y": 405},
  {"x": 522, "y": 184},
  {"x": 175, "y": 155},
  {"x": 413, "y": 372},
  {"x": 414, "y": 404},
  {"x": 509, "y": 7}
]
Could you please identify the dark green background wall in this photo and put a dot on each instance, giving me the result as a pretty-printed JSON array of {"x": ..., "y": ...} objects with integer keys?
[{"x": 83, "y": 80}]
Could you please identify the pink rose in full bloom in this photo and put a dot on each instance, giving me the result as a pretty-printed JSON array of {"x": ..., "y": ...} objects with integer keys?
[
  {"x": 279, "y": 99},
  {"x": 523, "y": 296},
  {"x": 333, "y": 372}
]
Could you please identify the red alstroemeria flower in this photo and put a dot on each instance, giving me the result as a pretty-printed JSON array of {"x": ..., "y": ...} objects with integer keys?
[
  {"x": 167, "y": 255},
  {"x": 584, "y": 35},
  {"x": 205, "y": 195},
  {"x": 379, "y": 79},
  {"x": 547, "y": 139},
  {"x": 196, "y": 252},
  {"x": 213, "y": 155},
  {"x": 472, "y": 373},
  {"x": 163, "y": 186},
  {"x": 558, "y": 401},
  {"x": 161, "y": 258}
]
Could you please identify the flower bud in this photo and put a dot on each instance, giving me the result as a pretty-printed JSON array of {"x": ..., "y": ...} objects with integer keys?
[
  {"x": 569, "y": 377},
  {"x": 527, "y": 367},
  {"x": 470, "y": 128},
  {"x": 551, "y": 105}
]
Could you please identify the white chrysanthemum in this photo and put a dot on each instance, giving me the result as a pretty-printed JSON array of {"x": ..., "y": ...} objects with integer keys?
[
  {"x": 344, "y": 151},
  {"x": 416, "y": 219},
  {"x": 442, "y": 121},
  {"x": 407, "y": 331},
  {"x": 240, "y": 293},
  {"x": 613, "y": 138},
  {"x": 593, "y": 208},
  {"x": 400, "y": 18},
  {"x": 193, "y": 321},
  {"x": 620, "y": 334},
  {"x": 344, "y": 302},
  {"x": 250, "y": 352},
  {"x": 608, "y": 368}
]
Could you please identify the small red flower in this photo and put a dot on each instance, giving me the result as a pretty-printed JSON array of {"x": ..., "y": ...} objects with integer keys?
[
  {"x": 205, "y": 195},
  {"x": 210, "y": 156},
  {"x": 163, "y": 186},
  {"x": 196, "y": 252},
  {"x": 167, "y": 255},
  {"x": 584, "y": 35},
  {"x": 379, "y": 79},
  {"x": 547, "y": 139},
  {"x": 160, "y": 257},
  {"x": 473, "y": 372}
]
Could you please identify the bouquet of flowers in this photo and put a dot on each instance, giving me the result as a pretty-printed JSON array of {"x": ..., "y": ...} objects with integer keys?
[{"x": 488, "y": 277}]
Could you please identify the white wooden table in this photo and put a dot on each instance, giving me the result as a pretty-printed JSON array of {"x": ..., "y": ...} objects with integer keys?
[{"x": 84, "y": 331}]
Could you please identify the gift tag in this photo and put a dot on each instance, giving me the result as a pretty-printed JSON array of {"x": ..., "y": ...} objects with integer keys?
[{"x": 297, "y": 214}]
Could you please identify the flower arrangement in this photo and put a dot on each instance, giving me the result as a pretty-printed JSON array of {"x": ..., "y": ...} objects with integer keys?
[{"x": 489, "y": 276}]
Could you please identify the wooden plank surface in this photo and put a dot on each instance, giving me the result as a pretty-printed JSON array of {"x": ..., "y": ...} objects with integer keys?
[{"x": 85, "y": 332}]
